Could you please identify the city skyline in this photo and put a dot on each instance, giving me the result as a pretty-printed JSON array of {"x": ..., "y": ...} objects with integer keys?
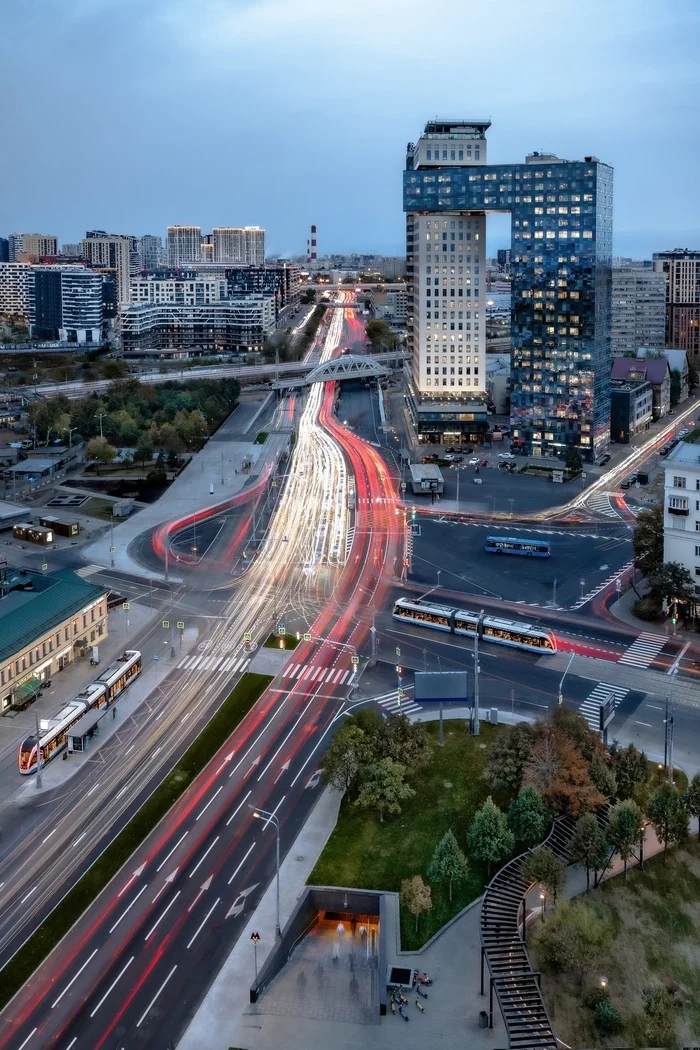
[{"x": 291, "y": 154}]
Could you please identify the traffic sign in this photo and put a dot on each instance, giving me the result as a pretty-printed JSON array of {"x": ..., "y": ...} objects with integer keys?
[
  {"x": 156, "y": 657},
  {"x": 307, "y": 636},
  {"x": 399, "y": 693},
  {"x": 180, "y": 625},
  {"x": 166, "y": 623},
  {"x": 403, "y": 486},
  {"x": 44, "y": 567},
  {"x": 247, "y": 636},
  {"x": 398, "y": 650},
  {"x": 126, "y": 606},
  {"x": 618, "y": 585},
  {"x": 355, "y": 659},
  {"x": 583, "y": 474},
  {"x": 281, "y": 631},
  {"x": 112, "y": 550}
]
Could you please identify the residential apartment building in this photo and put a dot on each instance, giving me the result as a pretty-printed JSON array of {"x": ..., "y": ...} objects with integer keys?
[
  {"x": 561, "y": 216},
  {"x": 14, "y": 242},
  {"x": 237, "y": 324},
  {"x": 67, "y": 304},
  {"x": 4, "y": 249},
  {"x": 631, "y": 409},
  {"x": 184, "y": 245},
  {"x": 681, "y": 270},
  {"x": 281, "y": 281},
  {"x": 150, "y": 251},
  {"x": 638, "y": 315},
  {"x": 104, "y": 251},
  {"x": 46, "y": 619},
  {"x": 16, "y": 290},
  {"x": 188, "y": 292},
  {"x": 682, "y": 507},
  {"x": 72, "y": 251},
  {"x": 238, "y": 244},
  {"x": 39, "y": 245},
  {"x": 654, "y": 370}
]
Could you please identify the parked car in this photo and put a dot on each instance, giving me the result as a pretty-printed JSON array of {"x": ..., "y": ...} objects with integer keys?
[
  {"x": 506, "y": 455},
  {"x": 665, "y": 450},
  {"x": 474, "y": 461},
  {"x": 605, "y": 459},
  {"x": 483, "y": 463},
  {"x": 625, "y": 484}
]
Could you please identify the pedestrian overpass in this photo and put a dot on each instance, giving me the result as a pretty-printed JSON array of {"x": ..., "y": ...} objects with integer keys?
[{"x": 347, "y": 366}]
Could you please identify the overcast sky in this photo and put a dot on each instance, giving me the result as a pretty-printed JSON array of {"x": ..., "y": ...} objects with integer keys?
[{"x": 128, "y": 115}]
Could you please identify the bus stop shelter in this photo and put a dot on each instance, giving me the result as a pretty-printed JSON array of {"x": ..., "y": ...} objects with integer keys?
[{"x": 85, "y": 728}]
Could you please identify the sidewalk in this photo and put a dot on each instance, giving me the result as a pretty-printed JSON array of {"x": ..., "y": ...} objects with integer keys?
[{"x": 622, "y": 609}]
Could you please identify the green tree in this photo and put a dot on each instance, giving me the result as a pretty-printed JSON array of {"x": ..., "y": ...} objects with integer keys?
[
  {"x": 100, "y": 450},
  {"x": 648, "y": 541},
  {"x": 448, "y": 862},
  {"x": 114, "y": 369},
  {"x": 416, "y": 896},
  {"x": 510, "y": 754},
  {"x": 144, "y": 450},
  {"x": 606, "y": 1018},
  {"x": 543, "y": 866},
  {"x": 489, "y": 838},
  {"x": 575, "y": 938},
  {"x": 589, "y": 846},
  {"x": 659, "y": 1016},
  {"x": 573, "y": 461},
  {"x": 603, "y": 776},
  {"x": 631, "y": 770},
  {"x": 674, "y": 583},
  {"x": 383, "y": 787},
  {"x": 625, "y": 829},
  {"x": 404, "y": 741},
  {"x": 668, "y": 815},
  {"x": 528, "y": 817},
  {"x": 380, "y": 335},
  {"x": 341, "y": 762},
  {"x": 692, "y": 799}
]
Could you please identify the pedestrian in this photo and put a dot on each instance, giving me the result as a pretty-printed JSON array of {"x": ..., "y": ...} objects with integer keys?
[
  {"x": 114, "y": 712},
  {"x": 420, "y": 1006}
]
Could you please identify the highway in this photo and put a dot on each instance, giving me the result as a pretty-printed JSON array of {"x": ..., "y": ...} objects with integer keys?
[{"x": 136, "y": 963}]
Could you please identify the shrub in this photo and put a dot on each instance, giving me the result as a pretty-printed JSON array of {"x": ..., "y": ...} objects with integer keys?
[
  {"x": 647, "y": 609},
  {"x": 607, "y": 1019}
]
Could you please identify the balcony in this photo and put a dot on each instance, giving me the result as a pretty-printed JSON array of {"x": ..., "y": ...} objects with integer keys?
[{"x": 678, "y": 510}]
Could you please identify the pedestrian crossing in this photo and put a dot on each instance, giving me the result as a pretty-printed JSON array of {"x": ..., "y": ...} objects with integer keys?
[
  {"x": 644, "y": 651},
  {"x": 89, "y": 570},
  {"x": 313, "y": 674},
  {"x": 200, "y": 662},
  {"x": 590, "y": 708},
  {"x": 601, "y": 504},
  {"x": 393, "y": 706}
]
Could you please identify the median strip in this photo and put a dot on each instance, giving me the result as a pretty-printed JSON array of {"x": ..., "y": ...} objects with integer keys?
[{"x": 56, "y": 925}]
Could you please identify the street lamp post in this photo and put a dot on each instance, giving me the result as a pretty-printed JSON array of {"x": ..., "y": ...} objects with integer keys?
[
  {"x": 38, "y": 752},
  {"x": 439, "y": 574},
  {"x": 263, "y": 814},
  {"x": 477, "y": 632},
  {"x": 511, "y": 501},
  {"x": 543, "y": 898},
  {"x": 560, "y": 698}
]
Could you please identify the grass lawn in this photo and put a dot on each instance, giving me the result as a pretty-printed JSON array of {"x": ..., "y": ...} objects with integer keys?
[
  {"x": 261, "y": 438},
  {"x": 655, "y": 917},
  {"x": 99, "y": 508},
  {"x": 273, "y": 642},
  {"x": 362, "y": 852}
]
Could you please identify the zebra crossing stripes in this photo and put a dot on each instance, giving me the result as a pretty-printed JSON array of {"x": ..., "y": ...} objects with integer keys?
[
  {"x": 394, "y": 706},
  {"x": 644, "y": 651},
  {"x": 89, "y": 570},
  {"x": 601, "y": 504},
  {"x": 590, "y": 708},
  {"x": 316, "y": 674},
  {"x": 200, "y": 662}
]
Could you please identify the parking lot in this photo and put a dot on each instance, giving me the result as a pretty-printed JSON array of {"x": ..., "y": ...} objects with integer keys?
[{"x": 455, "y": 551}]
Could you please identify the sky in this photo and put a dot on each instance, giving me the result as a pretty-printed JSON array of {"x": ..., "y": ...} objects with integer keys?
[{"x": 129, "y": 115}]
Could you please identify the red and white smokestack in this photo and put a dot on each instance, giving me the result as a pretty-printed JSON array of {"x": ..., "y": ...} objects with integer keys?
[{"x": 313, "y": 254}]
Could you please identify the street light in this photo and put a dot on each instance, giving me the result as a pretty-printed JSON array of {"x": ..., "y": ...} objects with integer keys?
[
  {"x": 263, "y": 814},
  {"x": 603, "y": 983},
  {"x": 543, "y": 898},
  {"x": 560, "y": 698}
]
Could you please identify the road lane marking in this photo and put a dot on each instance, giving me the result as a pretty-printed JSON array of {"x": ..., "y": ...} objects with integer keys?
[
  {"x": 74, "y": 979},
  {"x": 202, "y": 811},
  {"x": 79, "y": 839},
  {"x": 145, "y": 887},
  {"x": 122, "y": 790},
  {"x": 162, "y": 915},
  {"x": 242, "y": 863},
  {"x": 150, "y": 1005},
  {"x": 202, "y": 859},
  {"x": 32, "y": 1033},
  {"x": 73, "y": 1041},
  {"x": 654, "y": 707},
  {"x": 647, "y": 724},
  {"x": 273, "y": 812},
  {"x": 204, "y": 920},
  {"x": 237, "y": 808},
  {"x": 160, "y": 715},
  {"x": 301, "y": 716},
  {"x": 28, "y": 895},
  {"x": 49, "y": 835},
  {"x": 112, "y": 985},
  {"x": 163, "y": 862},
  {"x": 125, "y": 754},
  {"x": 93, "y": 788},
  {"x": 184, "y": 719},
  {"x": 157, "y": 751}
]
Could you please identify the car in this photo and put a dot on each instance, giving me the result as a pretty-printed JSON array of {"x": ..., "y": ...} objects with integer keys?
[
  {"x": 506, "y": 455},
  {"x": 625, "y": 484},
  {"x": 448, "y": 457},
  {"x": 483, "y": 463},
  {"x": 665, "y": 450},
  {"x": 474, "y": 461},
  {"x": 605, "y": 459}
]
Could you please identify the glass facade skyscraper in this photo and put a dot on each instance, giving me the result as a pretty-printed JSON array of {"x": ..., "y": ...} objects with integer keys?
[{"x": 561, "y": 258}]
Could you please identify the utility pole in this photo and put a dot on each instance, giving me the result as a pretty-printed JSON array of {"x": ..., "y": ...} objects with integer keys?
[
  {"x": 38, "y": 752},
  {"x": 373, "y": 632},
  {"x": 670, "y": 718},
  {"x": 111, "y": 536},
  {"x": 554, "y": 593},
  {"x": 477, "y": 632},
  {"x": 458, "y": 473}
]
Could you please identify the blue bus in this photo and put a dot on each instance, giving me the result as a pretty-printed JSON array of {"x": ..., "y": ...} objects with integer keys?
[{"x": 510, "y": 545}]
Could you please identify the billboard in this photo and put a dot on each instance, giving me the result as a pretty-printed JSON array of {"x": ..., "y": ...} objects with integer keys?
[
  {"x": 607, "y": 712},
  {"x": 440, "y": 687}
]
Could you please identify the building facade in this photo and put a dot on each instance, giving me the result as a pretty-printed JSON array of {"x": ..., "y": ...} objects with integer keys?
[
  {"x": 682, "y": 507},
  {"x": 4, "y": 249},
  {"x": 238, "y": 244},
  {"x": 195, "y": 292},
  {"x": 561, "y": 215},
  {"x": 184, "y": 245},
  {"x": 151, "y": 252},
  {"x": 46, "y": 619},
  {"x": 67, "y": 304},
  {"x": 681, "y": 270},
  {"x": 16, "y": 290},
  {"x": 631, "y": 410},
  {"x": 654, "y": 370},
  {"x": 280, "y": 281},
  {"x": 238, "y": 324},
  {"x": 110, "y": 252},
  {"x": 638, "y": 309},
  {"x": 39, "y": 245}
]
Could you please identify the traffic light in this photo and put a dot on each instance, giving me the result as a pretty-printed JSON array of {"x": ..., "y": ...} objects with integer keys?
[{"x": 399, "y": 669}]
